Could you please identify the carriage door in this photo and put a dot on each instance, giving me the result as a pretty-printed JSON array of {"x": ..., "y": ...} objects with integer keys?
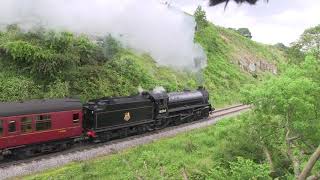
[{"x": 13, "y": 128}]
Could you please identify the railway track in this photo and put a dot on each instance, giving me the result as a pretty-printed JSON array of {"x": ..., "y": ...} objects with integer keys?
[{"x": 11, "y": 168}]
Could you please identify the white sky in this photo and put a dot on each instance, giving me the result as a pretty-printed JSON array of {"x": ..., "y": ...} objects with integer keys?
[{"x": 277, "y": 21}]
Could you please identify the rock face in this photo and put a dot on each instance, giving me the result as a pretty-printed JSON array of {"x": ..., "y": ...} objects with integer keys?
[
  {"x": 266, "y": 66},
  {"x": 254, "y": 67}
]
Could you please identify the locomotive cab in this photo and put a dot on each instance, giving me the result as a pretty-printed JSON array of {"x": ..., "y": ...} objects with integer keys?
[
  {"x": 160, "y": 103},
  {"x": 88, "y": 115}
]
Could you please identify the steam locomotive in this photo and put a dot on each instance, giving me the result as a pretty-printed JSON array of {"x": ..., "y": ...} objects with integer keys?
[{"x": 40, "y": 126}]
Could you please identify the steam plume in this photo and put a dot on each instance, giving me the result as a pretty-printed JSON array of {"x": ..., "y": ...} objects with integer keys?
[
  {"x": 159, "y": 89},
  {"x": 145, "y": 25}
]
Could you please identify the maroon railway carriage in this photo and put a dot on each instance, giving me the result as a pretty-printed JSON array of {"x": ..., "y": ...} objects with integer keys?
[{"x": 28, "y": 128}]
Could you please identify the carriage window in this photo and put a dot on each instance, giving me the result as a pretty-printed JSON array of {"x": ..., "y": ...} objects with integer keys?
[
  {"x": 12, "y": 126},
  {"x": 76, "y": 118},
  {"x": 1, "y": 127},
  {"x": 26, "y": 124},
  {"x": 43, "y": 122}
]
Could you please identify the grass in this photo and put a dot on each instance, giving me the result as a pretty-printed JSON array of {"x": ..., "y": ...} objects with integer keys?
[{"x": 190, "y": 154}]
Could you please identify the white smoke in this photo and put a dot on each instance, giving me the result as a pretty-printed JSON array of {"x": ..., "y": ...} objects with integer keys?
[
  {"x": 144, "y": 25},
  {"x": 159, "y": 89},
  {"x": 140, "y": 89}
]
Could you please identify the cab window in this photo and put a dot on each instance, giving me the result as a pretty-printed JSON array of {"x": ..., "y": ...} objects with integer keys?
[
  {"x": 12, "y": 126},
  {"x": 26, "y": 124},
  {"x": 1, "y": 127},
  {"x": 76, "y": 118},
  {"x": 43, "y": 122}
]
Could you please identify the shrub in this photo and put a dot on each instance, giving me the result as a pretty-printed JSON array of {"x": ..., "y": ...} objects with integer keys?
[{"x": 17, "y": 88}]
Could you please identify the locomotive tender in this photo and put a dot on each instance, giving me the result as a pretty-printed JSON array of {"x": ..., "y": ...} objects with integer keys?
[{"x": 38, "y": 126}]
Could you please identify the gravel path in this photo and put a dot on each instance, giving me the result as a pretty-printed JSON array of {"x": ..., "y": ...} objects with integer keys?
[{"x": 110, "y": 147}]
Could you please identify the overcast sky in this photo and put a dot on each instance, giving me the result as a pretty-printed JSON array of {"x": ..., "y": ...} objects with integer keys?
[{"x": 277, "y": 21}]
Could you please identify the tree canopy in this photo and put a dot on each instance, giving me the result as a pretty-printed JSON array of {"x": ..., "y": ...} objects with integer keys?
[
  {"x": 309, "y": 41},
  {"x": 200, "y": 18},
  {"x": 288, "y": 107},
  {"x": 245, "y": 32}
]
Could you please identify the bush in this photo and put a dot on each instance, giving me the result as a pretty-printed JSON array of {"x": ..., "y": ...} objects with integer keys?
[
  {"x": 17, "y": 88},
  {"x": 58, "y": 89},
  {"x": 247, "y": 169},
  {"x": 110, "y": 47}
]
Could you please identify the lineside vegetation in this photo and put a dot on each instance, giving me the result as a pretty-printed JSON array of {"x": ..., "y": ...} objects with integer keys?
[{"x": 42, "y": 63}]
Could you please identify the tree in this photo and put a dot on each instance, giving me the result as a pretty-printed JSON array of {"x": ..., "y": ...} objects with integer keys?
[
  {"x": 281, "y": 46},
  {"x": 291, "y": 99},
  {"x": 200, "y": 17},
  {"x": 245, "y": 32},
  {"x": 295, "y": 55},
  {"x": 110, "y": 47},
  {"x": 310, "y": 41}
]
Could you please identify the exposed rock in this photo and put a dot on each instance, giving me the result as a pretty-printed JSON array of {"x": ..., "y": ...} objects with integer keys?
[
  {"x": 254, "y": 67},
  {"x": 266, "y": 66}
]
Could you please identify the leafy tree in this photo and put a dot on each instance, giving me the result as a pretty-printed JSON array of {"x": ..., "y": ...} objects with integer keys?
[
  {"x": 17, "y": 88},
  {"x": 58, "y": 89},
  {"x": 200, "y": 18},
  {"x": 295, "y": 55},
  {"x": 43, "y": 63},
  {"x": 110, "y": 47},
  {"x": 62, "y": 64},
  {"x": 48, "y": 55},
  {"x": 293, "y": 100},
  {"x": 310, "y": 41},
  {"x": 13, "y": 28},
  {"x": 281, "y": 46},
  {"x": 245, "y": 32}
]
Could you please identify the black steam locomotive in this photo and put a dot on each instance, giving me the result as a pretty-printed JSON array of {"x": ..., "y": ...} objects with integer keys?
[
  {"x": 33, "y": 127},
  {"x": 109, "y": 118}
]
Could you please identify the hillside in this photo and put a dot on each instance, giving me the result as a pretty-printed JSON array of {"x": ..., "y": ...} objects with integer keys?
[
  {"x": 234, "y": 61},
  {"x": 48, "y": 64}
]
